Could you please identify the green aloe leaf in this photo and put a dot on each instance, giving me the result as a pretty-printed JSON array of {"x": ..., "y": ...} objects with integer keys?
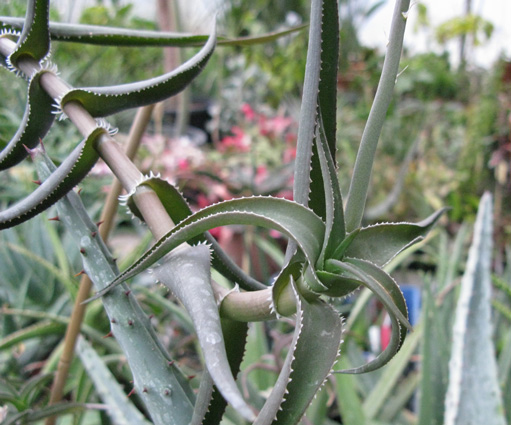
[
  {"x": 37, "y": 120},
  {"x": 326, "y": 108},
  {"x": 121, "y": 410},
  {"x": 37, "y": 330},
  {"x": 235, "y": 335},
  {"x": 104, "y": 101},
  {"x": 164, "y": 384},
  {"x": 380, "y": 243},
  {"x": 386, "y": 289},
  {"x": 34, "y": 40},
  {"x": 178, "y": 209},
  {"x": 186, "y": 272},
  {"x": 35, "y": 415},
  {"x": 473, "y": 394},
  {"x": 292, "y": 219},
  {"x": 321, "y": 327},
  {"x": 305, "y": 367},
  {"x": 72, "y": 170},
  {"x": 334, "y": 215},
  {"x": 115, "y": 36}
]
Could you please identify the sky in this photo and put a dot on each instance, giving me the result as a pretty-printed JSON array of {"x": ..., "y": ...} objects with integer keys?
[{"x": 498, "y": 12}]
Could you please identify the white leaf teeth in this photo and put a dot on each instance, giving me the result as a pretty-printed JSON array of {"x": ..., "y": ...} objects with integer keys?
[
  {"x": 103, "y": 123},
  {"x": 123, "y": 199}
]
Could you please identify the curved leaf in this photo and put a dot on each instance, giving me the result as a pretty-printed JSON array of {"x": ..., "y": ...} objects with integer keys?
[
  {"x": 104, "y": 101},
  {"x": 290, "y": 218},
  {"x": 37, "y": 120},
  {"x": 385, "y": 288},
  {"x": 316, "y": 352},
  {"x": 235, "y": 336},
  {"x": 380, "y": 243},
  {"x": 115, "y": 36},
  {"x": 273, "y": 402},
  {"x": 72, "y": 170},
  {"x": 34, "y": 40},
  {"x": 334, "y": 214},
  {"x": 178, "y": 209},
  {"x": 186, "y": 272}
]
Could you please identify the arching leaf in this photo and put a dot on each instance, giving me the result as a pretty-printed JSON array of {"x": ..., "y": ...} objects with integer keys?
[
  {"x": 178, "y": 209},
  {"x": 37, "y": 120},
  {"x": 104, "y": 101},
  {"x": 186, "y": 272},
  {"x": 380, "y": 243},
  {"x": 72, "y": 170},
  {"x": 115, "y": 36},
  {"x": 34, "y": 40},
  {"x": 292, "y": 219}
]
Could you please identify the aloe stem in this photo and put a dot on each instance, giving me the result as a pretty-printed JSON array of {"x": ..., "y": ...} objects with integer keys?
[{"x": 359, "y": 185}]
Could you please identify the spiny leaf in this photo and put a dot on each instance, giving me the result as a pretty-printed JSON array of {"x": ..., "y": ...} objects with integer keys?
[
  {"x": 121, "y": 410},
  {"x": 235, "y": 336},
  {"x": 72, "y": 170},
  {"x": 292, "y": 219},
  {"x": 104, "y": 101},
  {"x": 315, "y": 354},
  {"x": 308, "y": 110},
  {"x": 186, "y": 273},
  {"x": 385, "y": 288},
  {"x": 37, "y": 120},
  {"x": 115, "y": 36},
  {"x": 473, "y": 394},
  {"x": 273, "y": 402},
  {"x": 178, "y": 209},
  {"x": 34, "y": 40},
  {"x": 326, "y": 105},
  {"x": 382, "y": 242},
  {"x": 334, "y": 215}
]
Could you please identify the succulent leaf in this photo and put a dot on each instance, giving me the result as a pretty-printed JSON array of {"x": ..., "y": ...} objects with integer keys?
[
  {"x": 178, "y": 209},
  {"x": 380, "y": 243},
  {"x": 115, "y": 36},
  {"x": 292, "y": 219},
  {"x": 334, "y": 215},
  {"x": 186, "y": 272},
  {"x": 270, "y": 409},
  {"x": 104, "y": 101},
  {"x": 34, "y": 40},
  {"x": 72, "y": 170},
  {"x": 321, "y": 327},
  {"x": 473, "y": 394},
  {"x": 386, "y": 289},
  {"x": 37, "y": 120},
  {"x": 235, "y": 335}
]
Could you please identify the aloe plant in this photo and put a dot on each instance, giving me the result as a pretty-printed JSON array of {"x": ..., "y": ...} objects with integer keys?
[{"x": 330, "y": 253}]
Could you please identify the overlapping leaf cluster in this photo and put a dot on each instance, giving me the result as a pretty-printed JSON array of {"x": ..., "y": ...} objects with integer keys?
[{"x": 329, "y": 255}]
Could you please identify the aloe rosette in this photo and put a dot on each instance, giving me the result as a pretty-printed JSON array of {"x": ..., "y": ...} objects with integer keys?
[{"x": 330, "y": 254}]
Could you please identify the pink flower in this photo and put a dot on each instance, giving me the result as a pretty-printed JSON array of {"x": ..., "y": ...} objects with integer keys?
[
  {"x": 261, "y": 174},
  {"x": 183, "y": 164},
  {"x": 274, "y": 126},
  {"x": 289, "y": 154},
  {"x": 248, "y": 112},
  {"x": 239, "y": 141}
]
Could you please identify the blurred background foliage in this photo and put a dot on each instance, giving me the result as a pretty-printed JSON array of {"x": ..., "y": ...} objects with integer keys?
[{"x": 447, "y": 139}]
